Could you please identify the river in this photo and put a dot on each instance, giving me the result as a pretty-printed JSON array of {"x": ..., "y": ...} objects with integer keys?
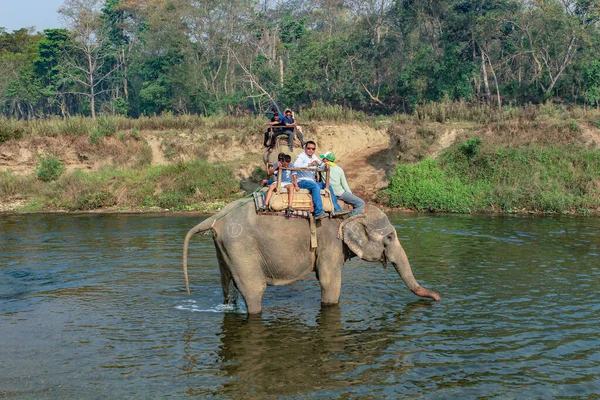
[{"x": 93, "y": 306}]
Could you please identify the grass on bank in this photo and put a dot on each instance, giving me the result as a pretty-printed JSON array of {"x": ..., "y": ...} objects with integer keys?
[
  {"x": 183, "y": 186},
  {"x": 467, "y": 178},
  {"x": 441, "y": 112}
]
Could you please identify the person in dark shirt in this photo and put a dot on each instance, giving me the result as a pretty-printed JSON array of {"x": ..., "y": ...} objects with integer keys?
[
  {"x": 277, "y": 121},
  {"x": 289, "y": 121}
]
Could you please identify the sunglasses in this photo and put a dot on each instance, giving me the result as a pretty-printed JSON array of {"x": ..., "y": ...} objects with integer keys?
[{"x": 311, "y": 148}]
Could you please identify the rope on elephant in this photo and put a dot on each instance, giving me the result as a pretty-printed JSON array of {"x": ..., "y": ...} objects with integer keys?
[{"x": 240, "y": 205}]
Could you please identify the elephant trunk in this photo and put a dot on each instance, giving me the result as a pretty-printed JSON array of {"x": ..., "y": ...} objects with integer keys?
[
  {"x": 398, "y": 258},
  {"x": 201, "y": 227}
]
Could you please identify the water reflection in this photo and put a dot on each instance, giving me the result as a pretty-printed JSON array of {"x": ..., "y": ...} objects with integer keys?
[{"x": 288, "y": 356}]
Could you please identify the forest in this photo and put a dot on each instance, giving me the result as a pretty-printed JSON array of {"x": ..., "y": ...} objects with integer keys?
[{"x": 239, "y": 57}]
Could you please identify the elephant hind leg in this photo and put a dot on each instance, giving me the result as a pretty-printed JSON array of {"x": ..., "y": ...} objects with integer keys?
[
  {"x": 228, "y": 287},
  {"x": 227, "y": 283}
]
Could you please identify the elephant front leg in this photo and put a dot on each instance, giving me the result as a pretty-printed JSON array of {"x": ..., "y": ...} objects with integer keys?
[
  {"x": 252, "y": 293},
  {"x": 330, "y": 278}
]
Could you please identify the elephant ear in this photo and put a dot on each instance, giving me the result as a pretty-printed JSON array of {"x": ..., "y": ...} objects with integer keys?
[{"x": 365, "y": 244}]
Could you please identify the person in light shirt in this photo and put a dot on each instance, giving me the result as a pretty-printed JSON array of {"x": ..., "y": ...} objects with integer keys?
[
  {"x": 341, "y": 190},
  {"x": 306, "y": 180}
]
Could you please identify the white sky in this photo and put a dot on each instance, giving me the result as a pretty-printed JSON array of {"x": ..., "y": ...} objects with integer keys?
[{"x": 17, "y": 14}]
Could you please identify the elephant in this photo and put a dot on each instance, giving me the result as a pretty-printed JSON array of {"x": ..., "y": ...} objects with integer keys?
[{"x": 255, "y": 251}]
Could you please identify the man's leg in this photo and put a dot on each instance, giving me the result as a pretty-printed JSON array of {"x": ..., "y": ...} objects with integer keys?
[
  {"x": 290, "y": 133},
  {"x": 266, "y": 140},
  {"x": 300, "y": 135},
  {"x": 290, "y": 189},
  {"x": 356, "y": 202},
  {"x": 274, "y": 139},
  {"x": 315, "y": 192},
  {"x": 336, "y": 205}
]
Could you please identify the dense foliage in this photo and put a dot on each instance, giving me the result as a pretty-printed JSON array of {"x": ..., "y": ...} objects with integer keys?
[{"x": 147, "y": 57}]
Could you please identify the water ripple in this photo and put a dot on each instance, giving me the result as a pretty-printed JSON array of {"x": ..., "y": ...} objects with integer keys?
[{"x": 95, "y": 304}]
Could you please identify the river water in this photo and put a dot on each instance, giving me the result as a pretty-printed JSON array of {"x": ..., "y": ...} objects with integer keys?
[{"x": 94, "y": 307}]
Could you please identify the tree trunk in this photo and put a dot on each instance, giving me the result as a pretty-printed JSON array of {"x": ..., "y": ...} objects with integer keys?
[
  {"x": 91, "y": 83},
  {"x": 125, "y": 91},
  {"x": 280, "y": 71},
  {"x": 486, "y": 84}
]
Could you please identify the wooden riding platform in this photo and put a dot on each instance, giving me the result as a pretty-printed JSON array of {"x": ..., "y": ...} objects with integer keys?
[{"x": 303, "y": 205}]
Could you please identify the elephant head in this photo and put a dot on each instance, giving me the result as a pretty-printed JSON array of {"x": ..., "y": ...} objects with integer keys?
[{"x": 372, "y": 237}]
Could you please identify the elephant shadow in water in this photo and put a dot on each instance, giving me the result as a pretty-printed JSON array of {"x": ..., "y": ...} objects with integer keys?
[{"x": 288, "y": 357}]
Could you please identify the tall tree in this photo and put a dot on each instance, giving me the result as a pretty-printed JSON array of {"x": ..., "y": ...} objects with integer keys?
[{"x": 89, "y": 61}]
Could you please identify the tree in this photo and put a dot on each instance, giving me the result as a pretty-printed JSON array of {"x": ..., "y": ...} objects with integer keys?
[
  {"x": 89, "y": 61},
  {"x": 550, "y": 34},
  {"x": 19, "y": 93}
]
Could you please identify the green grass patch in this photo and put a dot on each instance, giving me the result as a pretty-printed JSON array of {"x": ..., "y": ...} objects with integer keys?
[
  {"x": 425, "y": 186},
  {"x": 183, "y": 186},
  {"x": 549, "y": 179}
]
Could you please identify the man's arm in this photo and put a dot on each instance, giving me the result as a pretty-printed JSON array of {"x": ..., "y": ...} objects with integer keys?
[{"x": 274, "y": 168}]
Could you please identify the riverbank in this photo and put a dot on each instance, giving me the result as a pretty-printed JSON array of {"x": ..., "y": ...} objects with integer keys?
[{"x": 533, "y": 160}]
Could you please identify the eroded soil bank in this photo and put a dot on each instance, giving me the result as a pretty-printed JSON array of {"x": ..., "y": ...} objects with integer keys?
[{"x": 368, "y": 153}]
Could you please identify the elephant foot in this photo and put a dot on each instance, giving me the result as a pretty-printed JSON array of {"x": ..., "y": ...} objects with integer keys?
[{"x": 422, "y": 292}]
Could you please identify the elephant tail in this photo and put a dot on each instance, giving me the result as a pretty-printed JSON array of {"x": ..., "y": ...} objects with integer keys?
[
  {"x": 202, "y": 227},
  {"x": 206, "y": 225}
]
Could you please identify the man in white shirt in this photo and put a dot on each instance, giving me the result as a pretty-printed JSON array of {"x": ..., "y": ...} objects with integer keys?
[{"x": 306, "y": 179}]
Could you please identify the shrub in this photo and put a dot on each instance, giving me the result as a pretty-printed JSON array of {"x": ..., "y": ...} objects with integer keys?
[
  {"x": 50, "y": 168},
  {"x": 106, "y": 127},
  {"x": 426, "y": 187},
  {"x": 573, "y": 126},
  {"x": 9, "y": 131},
  {"x": 470, "y": 148},
  {"x": 92, "y": 199},
  {"x": 554, "y": 179}
]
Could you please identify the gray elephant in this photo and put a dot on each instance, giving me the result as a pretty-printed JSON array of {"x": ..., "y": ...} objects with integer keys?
[{"x": 255, "y": 251}]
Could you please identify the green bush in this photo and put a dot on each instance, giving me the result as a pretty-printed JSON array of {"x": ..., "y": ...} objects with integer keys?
[
  {"x": 105, "y": 127},
  {"x": 470, "y": 148},
  {"x": 172, "y": 200},
  {"x": 93, "y": 198},
  {"x": 426, "y": 187},
  {"x": 50, "y": 168},
  {"x": 551, "y": 179}
]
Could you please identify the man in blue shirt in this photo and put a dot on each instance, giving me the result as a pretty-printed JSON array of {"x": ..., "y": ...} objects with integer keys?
[
  {"x": 289, "y": 121},
  {"x": 276, "y": 120}
]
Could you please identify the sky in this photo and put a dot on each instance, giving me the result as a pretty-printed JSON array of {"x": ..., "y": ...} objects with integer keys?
[{"x": 17, "y": 14}]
